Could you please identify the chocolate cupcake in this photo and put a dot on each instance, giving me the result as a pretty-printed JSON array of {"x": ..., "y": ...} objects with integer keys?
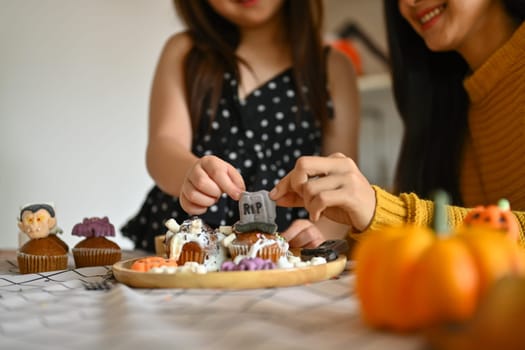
[
  {"x": 256, "y": 232},
  {"x": 95, "y": 249},
  {"x": 44, "y": 251},
  {"x": 258, "y": 244}
]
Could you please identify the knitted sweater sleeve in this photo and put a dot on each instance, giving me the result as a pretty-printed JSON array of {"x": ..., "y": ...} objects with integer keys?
[{"x": 392, "y": 210}]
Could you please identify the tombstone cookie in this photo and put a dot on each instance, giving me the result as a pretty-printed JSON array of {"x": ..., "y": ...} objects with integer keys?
[{"x": 257, "y": 213}]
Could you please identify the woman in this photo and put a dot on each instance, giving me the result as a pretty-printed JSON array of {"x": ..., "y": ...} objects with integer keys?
[
  {"x": 236, "y": 99},
  {"x": 458, "y": 71}
]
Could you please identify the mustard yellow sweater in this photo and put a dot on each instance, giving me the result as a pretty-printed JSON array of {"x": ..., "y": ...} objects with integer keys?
[{"x": 494, "y": 156}]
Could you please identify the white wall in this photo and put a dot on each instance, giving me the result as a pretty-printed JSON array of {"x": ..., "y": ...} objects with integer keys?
[
  {"x": 74, "y": 89},
  {"x": 368, "y": 16}
]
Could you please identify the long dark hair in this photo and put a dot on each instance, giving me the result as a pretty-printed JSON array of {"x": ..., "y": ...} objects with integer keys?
[
  {"x": 214, "y": 43},
  {"x": 433, "y": 105}
]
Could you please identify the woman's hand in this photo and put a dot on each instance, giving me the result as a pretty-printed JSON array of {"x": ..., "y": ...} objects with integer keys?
[
  {"x": 206, "y": 181},
  {"x": 303, "y": 233},
  {"x": 331, "y": 186}
]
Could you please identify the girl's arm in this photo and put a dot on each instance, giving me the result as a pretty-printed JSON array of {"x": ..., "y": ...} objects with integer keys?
[
  {"x": 198, "y": 182},
  {"x": 168, "y": 156},
  {"x": 342, "y": 131}
]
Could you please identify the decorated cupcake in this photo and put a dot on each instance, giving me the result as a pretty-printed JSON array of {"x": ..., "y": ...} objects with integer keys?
[
  {"x": 195, "y": 241},
  {"x": 44, "y": 251},
  {"x": 256, "y": 232},
  {"x": 95, "y": 249}
]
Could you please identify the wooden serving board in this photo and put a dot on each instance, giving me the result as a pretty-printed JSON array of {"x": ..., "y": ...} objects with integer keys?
[{"x": 228, "y": 279}]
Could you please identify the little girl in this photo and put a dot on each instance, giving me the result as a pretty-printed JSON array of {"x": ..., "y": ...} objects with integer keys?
[{"x": 237, "y": 97}]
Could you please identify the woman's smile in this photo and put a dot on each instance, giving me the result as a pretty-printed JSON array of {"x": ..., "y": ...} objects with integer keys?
[{"x": 429, "y": 16}]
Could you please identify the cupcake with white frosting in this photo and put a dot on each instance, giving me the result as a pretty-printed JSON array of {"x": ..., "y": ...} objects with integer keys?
[
  {"x": 195, "y": 241},
  {"x": 256, "y": 232}
]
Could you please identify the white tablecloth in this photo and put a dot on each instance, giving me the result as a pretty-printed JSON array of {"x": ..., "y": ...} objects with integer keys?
[{"x": 53, "y": 310}]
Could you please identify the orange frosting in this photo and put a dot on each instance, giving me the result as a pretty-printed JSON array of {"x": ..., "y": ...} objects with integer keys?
[{"x": 147, "y": 263}]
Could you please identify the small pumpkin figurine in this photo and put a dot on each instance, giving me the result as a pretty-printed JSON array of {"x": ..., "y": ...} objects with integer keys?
[
  {"x": 410, "y": 277},
  {"x": 497, "y": 324},
  {"x": 498, "y": 217}
]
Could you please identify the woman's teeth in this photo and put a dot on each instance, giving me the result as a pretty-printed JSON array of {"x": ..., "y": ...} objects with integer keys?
[{"x": 427, "y": 17}]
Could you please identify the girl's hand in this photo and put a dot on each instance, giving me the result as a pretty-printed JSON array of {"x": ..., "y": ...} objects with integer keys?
[
  {"x": 303, "y": 233},
  {"x": 206, "y": 181},
  {"x": 331, "y": 186}
]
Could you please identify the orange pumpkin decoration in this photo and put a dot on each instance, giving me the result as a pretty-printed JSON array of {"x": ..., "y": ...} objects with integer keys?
[
  {"x": 147, "y": 263},
  {"x": 407, "y": 277},
  {"x": 498, "y": 217},
  {"x": 497, "y": 324}
]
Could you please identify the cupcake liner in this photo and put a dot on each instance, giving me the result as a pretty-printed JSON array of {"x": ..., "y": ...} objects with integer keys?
[
  {"x": 29, "y": 263},
  {"x": 190, "y": 255},
  {"x": 160, "y": 247},
  {"x": 85, "y": 257},
  {"x": 273, "y": 252}
]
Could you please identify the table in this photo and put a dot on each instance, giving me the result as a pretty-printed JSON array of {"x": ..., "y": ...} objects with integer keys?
[{"x": 53, "y": 310}]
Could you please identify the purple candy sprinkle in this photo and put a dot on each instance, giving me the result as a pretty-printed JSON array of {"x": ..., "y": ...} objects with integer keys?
[
  {"x": 268, "y": 265},
  {"x": 248, "y": 264},
  {"x": 228, "y": 266}
]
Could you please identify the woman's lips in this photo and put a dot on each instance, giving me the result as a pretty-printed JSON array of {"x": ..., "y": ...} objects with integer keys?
[
  {"x": 429, "y": 16},
  {"x": 248, "y": 3}
]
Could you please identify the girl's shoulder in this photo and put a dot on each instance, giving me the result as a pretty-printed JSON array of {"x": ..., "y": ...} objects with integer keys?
[
  {"x": 178, "y": 45},
  {"x": 337, "y": 61},
  {"x": 342, "y": 78}
]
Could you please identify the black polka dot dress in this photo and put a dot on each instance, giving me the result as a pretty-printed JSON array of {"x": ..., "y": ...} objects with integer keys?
[{"x": 262, "y": 136}]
